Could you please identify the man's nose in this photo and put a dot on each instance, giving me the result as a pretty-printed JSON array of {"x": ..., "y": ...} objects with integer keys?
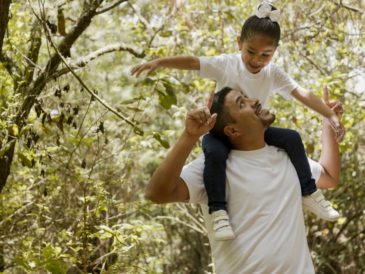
[{"x": 253, "y": 102}]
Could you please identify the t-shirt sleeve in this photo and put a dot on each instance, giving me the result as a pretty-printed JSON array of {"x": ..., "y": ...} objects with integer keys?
[
  {"x": 316, "y": 169},
  {"x": 213, "y": 67},
  {"x": 283, "y": 84},
  {"x": 192, "y": 174}
]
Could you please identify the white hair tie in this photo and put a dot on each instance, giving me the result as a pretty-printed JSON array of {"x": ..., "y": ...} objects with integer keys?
[{"x": 264, "y": 10}]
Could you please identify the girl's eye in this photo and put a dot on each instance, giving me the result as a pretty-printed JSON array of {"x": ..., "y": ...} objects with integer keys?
[
  {"x": 242, "y": 104},
  {"x": 266, "y": 55},
  {"x": 250, "y": 52}
]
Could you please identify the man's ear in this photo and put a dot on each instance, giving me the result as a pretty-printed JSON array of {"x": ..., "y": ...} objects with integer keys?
[
  {"x": 231, "y": 131},
  {"x": 239, "y": 43}
]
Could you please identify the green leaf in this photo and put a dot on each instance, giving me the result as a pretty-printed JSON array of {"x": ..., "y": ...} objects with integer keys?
[
  {"x": 163, "y": 142},
  {"x": 166, "y": 95}
]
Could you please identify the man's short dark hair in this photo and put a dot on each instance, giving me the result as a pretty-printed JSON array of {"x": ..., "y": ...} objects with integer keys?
[{"x": 223, "y": 115}]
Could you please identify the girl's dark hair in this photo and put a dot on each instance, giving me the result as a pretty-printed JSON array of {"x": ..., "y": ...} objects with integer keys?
[
  {"x": 255, "y": 25},
  {"x": 223, "y": 115}
]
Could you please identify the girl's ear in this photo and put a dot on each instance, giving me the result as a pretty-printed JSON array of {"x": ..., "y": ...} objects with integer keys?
[
  {"x": 231, "y": 131},
  {"x": 239, "y": 43}
]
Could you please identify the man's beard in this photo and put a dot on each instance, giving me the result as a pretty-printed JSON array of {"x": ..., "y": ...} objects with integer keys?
[{"x": 267, "y": 121}]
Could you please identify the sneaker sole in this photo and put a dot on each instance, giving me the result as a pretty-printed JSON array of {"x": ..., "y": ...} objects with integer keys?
[{"x": 307, "y": 208}]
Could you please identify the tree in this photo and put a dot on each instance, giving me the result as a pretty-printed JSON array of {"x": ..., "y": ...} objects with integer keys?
[{"x": 73, "y": 200}]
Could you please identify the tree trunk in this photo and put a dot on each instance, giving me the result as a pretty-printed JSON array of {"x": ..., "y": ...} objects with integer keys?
[
  {"x": 5, "y": 164},
  {"x": 36, "y": 87}
]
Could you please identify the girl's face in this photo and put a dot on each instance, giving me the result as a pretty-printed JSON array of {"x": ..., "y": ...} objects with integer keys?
[{"x": 257, "y": 51}]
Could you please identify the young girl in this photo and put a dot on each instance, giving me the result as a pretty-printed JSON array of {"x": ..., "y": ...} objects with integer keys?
[{"x": 252, "y": 72}]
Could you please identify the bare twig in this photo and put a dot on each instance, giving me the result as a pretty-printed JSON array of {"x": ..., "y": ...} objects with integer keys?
[
  {"x": 342, "y": 5},
  {"x": 111, "y": 6},
  {"x": 83, "y": 61},
  {"x": 323, "y": 71},
  {"x": 140, "y": 17},
  {"x": 34, "y": 48},
  {"x": 93, "y": 94},
  {"x": 19, "y": 210},
  {"x": 175, "y": 219},
  {"x": 4, "y": 19}
]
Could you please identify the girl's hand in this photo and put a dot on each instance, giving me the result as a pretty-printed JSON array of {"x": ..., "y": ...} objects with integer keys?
[
  {"x": 150, "y": 66},
  {"x": 334, "y": 120}
]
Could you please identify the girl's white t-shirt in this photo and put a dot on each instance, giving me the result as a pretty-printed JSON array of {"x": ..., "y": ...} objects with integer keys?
[
  {"x": 265, "y": 208},
  {"x": 228, "y": 70}
]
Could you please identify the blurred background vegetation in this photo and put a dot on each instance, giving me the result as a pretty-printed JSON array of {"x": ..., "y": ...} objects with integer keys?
[{"x": 73, "y": 171}]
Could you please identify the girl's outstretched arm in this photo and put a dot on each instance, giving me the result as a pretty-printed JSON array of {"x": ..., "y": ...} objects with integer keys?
[
  {"x": 315, "y": 103},
  {"x": 177, "y": 62}
]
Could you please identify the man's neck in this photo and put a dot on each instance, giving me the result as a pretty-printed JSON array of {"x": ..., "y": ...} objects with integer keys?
[{"x": 249, "y": 142}]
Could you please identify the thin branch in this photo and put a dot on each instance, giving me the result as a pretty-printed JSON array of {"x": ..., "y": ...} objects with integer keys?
[
  {"x": 93, "y": 94},
  {"x": 36, "y": 87},
  {"x": 140, "y": 17},
  {"x": 111, "y": 7},
  {"x": 323, "y": 71},
  {"x": 32, "y": 58},
  {"x": 19, "y": 210},
  {"x": 9, "y": 65},
  {"x": 83, "y": 61},
  {"x": 180, "y": 222},
  {"x": 4, "y": 19},
  {"x": 342, "y": 5}
]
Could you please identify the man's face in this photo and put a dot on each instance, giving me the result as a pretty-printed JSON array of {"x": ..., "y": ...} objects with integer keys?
[
  {"x": 247, "y": 112},
  {"x": 256, "y": 52}
]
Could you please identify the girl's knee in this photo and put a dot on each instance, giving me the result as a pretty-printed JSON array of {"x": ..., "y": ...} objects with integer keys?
[
  {"x": 216, "y": 152},
  {"x": 294, "y": 136}
]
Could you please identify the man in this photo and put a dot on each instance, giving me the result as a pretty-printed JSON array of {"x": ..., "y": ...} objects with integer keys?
[{"x": 263, "y": 193}]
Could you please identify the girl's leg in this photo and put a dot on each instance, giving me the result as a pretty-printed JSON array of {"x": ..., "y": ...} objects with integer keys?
[
  {"x": 291, "y": 142},
  {"x": 216, "y": 153}
]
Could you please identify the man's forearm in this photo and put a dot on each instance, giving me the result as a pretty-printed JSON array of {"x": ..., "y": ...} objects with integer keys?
[
  {"x": 180, "y": 62},
  {"x": 166, "y": 177},
  {"x": 330, "y": 155}
]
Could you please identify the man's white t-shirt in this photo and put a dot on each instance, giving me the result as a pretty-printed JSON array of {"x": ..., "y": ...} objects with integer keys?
[
  {"x": 265, "y": 208},
  {"x": 228, "y": 70}
]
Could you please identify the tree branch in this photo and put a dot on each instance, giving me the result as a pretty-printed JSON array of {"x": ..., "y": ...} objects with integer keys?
[
  {"x": 342, "y": 5},
  {"x": 323, "y": 71},
  {"x": 111, "y": 7},
  {"x": 37, "y": 86},
  {"x": 9, "y": 65},
  {"x": 4, "y": 19},
  {"x": 32, "y": 57},
  {"x": 83, "y": 61},
  {"x": 93, "y": 94}
]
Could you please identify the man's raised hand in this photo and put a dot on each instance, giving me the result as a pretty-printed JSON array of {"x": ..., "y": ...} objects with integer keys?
[
  {"x": 334, "y": 120},
  {"x": 199, "y": 122}
]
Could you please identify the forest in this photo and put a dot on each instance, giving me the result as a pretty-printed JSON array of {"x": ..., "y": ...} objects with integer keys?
[{"x": 80, "y": 137}]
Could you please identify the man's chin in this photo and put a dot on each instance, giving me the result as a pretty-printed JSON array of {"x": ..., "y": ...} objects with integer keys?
[{"x": 267, "y": 119}]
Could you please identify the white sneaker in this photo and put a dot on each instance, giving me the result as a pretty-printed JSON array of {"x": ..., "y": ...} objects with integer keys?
[
  {"x": 222, "y": 228},
  {"x": 317, "y": 204}
]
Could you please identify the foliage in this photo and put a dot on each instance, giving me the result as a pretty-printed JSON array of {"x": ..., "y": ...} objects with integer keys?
[{"x": 73, "y": 202}]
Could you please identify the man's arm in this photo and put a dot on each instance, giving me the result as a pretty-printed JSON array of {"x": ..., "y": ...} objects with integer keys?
[
  {"x": 312, "y": 101},
  {"x": 177, "y": 62},
  {"x": 166, "y": 186},
  {"x": 330, "y": 154}
]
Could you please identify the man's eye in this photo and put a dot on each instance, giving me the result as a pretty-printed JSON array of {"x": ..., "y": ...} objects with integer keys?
[
  {"x": 266, "y": 55},
  {"x": 250, "y": 52},
  {"x": 242, "y": 104}
]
